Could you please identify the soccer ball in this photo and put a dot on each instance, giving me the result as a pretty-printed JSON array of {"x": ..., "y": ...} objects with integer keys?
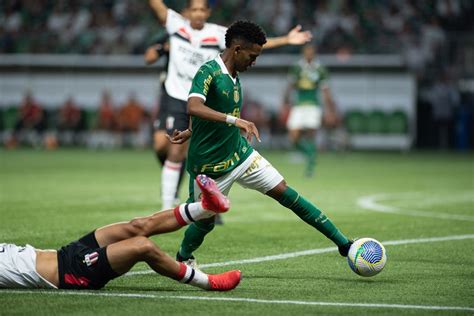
[{"x": 367, "y": 257}]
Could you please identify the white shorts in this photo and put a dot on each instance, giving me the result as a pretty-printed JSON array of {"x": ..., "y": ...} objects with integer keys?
[
  {"x": 254, "y": 173},
  {"x": 305, "y": 117},
  {"x": 18, "y": 268}
]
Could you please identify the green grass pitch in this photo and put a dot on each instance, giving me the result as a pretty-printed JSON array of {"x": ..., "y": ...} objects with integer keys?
[{"x": 48, "y": 199}]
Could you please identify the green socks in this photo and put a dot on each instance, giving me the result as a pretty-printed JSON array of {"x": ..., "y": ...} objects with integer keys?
[
  {"x": 194, "y": 236},
  {"x": 312, "y": 215},
  {"x": 308, "y": 148}
]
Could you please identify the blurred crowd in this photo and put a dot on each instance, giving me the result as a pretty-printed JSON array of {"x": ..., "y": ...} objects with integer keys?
[
  {"x": 428, "y": 34},
  {"x": 109, "y": 125},
  {"x": 339, "y": 26}
]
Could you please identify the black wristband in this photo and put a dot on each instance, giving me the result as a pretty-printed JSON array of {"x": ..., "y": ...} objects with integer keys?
[{"x": 160, "y": 49}]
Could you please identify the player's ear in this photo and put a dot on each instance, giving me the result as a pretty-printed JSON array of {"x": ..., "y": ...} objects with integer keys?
[{"x": 237, "y": 48}]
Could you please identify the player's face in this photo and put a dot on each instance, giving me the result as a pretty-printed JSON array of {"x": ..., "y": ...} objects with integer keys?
[
  {"x": 246, "y": 57},
  {"x": 198, "y": 12},
  {"x": 309, "y": 52}
]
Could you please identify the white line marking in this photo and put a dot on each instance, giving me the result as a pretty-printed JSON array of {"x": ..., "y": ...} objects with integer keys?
[
  {"x": 372, "y": 203},
  {"x": 288, "y": 255},
  {"x": 246, "y": 300}
]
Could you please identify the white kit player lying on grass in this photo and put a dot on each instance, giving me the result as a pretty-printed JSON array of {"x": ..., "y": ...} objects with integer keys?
[{"x": 111, "y": 251}]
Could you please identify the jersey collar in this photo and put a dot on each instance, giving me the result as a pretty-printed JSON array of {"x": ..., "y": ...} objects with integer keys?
[{"x": 224, "y": 69}]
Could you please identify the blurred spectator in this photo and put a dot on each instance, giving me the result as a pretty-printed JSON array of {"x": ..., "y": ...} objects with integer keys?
[
  {"x": 131, "y": 115},
  {"x": 132, "y": 123},
  {"x": 105, "y": 132},
  {"x": 106, "y": 116},
  {"x": 70, "y": 122},
  {"x": 30, "y": 125},
  {"x": 444, "y": 99}
]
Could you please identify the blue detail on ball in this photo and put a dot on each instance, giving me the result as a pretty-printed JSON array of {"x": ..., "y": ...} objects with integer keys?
[
  {"x": 351, "y": 265},
  {"x": 372, "y": 253}
]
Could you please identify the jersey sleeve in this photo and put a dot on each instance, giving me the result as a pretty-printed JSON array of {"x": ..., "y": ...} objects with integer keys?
[
  {"x": 201, "y": 83},
  {"x": 174, "y": 21}
]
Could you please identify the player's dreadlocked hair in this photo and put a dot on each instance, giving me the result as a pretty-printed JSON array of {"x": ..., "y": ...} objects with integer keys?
[{"x": 246, "y": 31}]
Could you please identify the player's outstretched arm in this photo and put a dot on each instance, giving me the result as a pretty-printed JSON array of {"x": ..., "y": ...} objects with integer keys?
[
  {"x": 152, "y": 54},
  {"x": 160, "y": 9},
  {"x": 295, "y": 37}
]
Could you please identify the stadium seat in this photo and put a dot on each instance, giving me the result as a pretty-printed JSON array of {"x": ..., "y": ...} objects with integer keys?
[
  {"x": 90, "y": 119},
  {"x": 377, "y": 122},
  {"x": 51, "y": 119},
  {"x": 356, "y": 122},
  {"x": 10, "y": 116},
  {"x": 397, "y": 122}
]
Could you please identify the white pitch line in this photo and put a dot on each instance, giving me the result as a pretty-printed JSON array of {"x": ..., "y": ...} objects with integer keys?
[
  {"x": 246, "y": 300},
  {"x": 288, "y": 255},
  {"x": 372, "y": 203}
]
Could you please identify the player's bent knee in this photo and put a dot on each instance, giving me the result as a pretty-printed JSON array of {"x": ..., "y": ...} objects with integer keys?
[{"x": 144, "y": 246}]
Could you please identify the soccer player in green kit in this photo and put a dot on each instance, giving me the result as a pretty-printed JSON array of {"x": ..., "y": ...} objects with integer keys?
[
  {"x": 308, "y": 79},
  {"x": 217, "y": 148}
]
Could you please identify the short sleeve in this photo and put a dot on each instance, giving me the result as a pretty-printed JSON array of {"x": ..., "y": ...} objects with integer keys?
[
  {"x": 174, "y": 21},
  {"x": 201, "y": 83}
]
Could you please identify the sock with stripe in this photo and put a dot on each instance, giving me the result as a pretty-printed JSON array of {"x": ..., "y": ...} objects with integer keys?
[
  {"x": 312, "y": 215},
  {"x": 188, "y": 213},
  {"x": 193, "y": 277},
  {"x": 169, "y": 183}
]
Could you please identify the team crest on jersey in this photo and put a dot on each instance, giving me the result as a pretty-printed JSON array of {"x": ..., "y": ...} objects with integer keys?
[
  {"x": 236, "y": 96},
  {"x": 91, "y": 258}
]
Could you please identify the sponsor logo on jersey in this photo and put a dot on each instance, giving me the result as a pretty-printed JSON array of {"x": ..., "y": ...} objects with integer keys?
[{"x": 91, "y": 258}]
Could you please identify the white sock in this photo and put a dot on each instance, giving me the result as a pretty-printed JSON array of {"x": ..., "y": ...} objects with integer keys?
[
  {"x": 169, "y": 183},
  {"x": 190, "y": 212},
  {"x": 193, "y": 276}
]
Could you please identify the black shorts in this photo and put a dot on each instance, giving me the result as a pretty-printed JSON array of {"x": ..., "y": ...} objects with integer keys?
[
  {"x": 173, "y": 114},
  {"x": 84, "y": 265}
]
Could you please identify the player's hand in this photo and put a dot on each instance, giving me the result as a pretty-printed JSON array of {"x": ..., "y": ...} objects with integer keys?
[
  {"x": 249, "y": 128},
  {"x": 298, "y": 37},
  {"x": 179, "y": 137}
]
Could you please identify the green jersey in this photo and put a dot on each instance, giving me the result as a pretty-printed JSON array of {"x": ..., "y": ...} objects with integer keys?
[
  {"x": 216, "y": 148},
  {"x": 308, "y": 78}
]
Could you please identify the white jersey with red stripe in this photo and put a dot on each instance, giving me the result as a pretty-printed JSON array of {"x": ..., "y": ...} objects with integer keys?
[{"x": 189, "y": 49}]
